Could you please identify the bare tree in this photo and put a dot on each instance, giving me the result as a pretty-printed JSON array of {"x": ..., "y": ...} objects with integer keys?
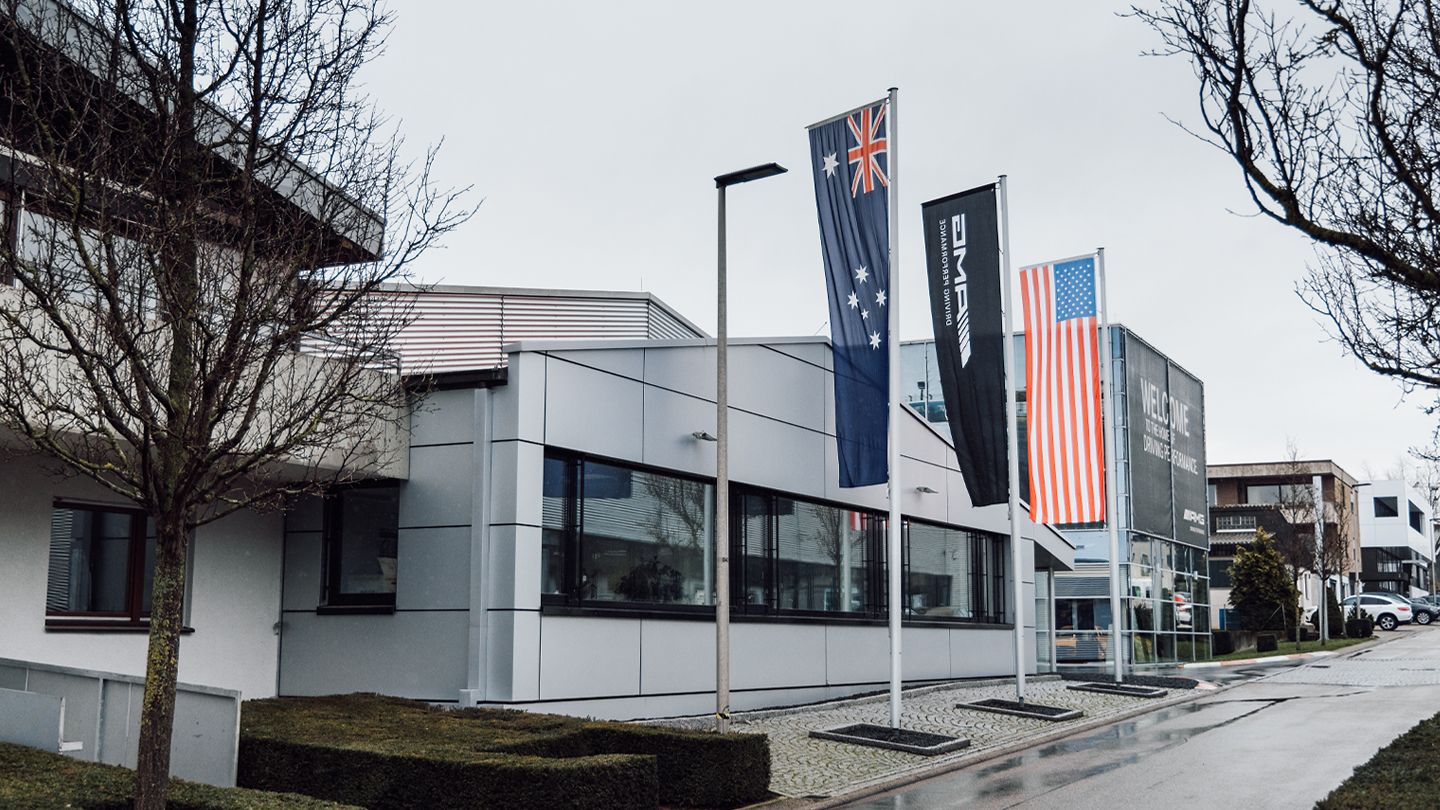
[
  {"x": 1333, "y": 556},
  {"x": 1296, "y": 541},
  {"x": 199, "y": 197},
  {"x": 1331, "y": 110}
]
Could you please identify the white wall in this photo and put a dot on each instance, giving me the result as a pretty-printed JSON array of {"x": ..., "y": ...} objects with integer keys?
[
  {"x": 1394, "y": 531},
  {"x": 235, "y": 592}
]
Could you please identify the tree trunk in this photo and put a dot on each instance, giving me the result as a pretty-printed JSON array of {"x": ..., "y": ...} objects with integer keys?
[{"x": 157, "y": 714}]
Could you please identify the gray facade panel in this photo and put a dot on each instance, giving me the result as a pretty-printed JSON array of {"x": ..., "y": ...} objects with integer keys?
[
  {"x": 443, "y": 417},
  {"x": 689, "y": 370},
  {"x": 524, "y": 384},
  {"x": 417, "y": 655},
  {"x": 755, "y": 664},
  {"x": 767, "y": 453},
  {"x": 769, "y": 383},
  {"x": 571, "y": 649},
  {"x": 856, "y": 654},
  {"x": 517, "y": 472},
  {"x": 979, "y": 652},
  {"x": 593, "y": 411},
  {"x": 676, "y": 656},
  {"x": 303, "y": 588},
  {"x": 514, "y": 566},
  {"x": 441, "y": 485},
  {"x": 671, "y": 419},
  {"x": 433, "y": 569}
]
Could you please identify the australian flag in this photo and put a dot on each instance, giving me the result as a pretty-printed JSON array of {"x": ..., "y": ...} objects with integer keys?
[{"x": 851, "y": 161}]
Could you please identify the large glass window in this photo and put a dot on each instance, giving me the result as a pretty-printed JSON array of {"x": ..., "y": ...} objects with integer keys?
[
  {"x": 361, "y": 542},
  {"x": 1386, "y": 507},
  {"x": 803, "y": 556},
  {"x": 820, "y": 559},
  {"x": 954, "y": 573},
  {"x": 615, "y": 534},
  {"x": 102, "y": 562}
]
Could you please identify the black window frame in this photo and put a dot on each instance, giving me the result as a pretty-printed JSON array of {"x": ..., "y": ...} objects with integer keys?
[
  {"x": 1391, "y": 503},
  {"x": 573, "y": 529},
  {"x": 134, "y": 615},
  {"x": 991, "y": 552},
  {"x": 874, "y": 552},
  {"x": 332, "y": 541}
]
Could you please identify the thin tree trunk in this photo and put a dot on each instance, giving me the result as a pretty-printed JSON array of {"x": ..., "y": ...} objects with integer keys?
[{"x": 157, "y": 713}]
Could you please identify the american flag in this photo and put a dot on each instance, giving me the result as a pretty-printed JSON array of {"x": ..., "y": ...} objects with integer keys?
[{"x": 1062, "y": 392}]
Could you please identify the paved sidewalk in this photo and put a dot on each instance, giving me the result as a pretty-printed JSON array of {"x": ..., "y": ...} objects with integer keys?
[{"x": 802, "y": 767}]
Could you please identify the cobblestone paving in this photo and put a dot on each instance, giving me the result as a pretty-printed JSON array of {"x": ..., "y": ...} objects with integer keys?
[{"x": 806, "y": 767}]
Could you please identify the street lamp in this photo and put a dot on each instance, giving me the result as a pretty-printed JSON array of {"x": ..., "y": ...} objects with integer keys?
[{"x": 722, "y": 455}]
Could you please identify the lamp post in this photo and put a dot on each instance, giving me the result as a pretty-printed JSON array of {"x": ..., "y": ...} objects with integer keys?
[
  {"x": 722, "y": 455},
  {"x": 1318, "y": 495}
]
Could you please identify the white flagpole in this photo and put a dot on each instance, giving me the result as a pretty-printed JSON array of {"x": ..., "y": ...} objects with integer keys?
[
  {"x": 893, "y": 316},
  {"x": 1012, "y": 440},
  {"x": 1112, "y": 498}
]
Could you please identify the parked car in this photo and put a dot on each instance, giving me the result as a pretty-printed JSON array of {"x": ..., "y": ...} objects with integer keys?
[
  {"x": 1184, "y": 611},
  {"x": 1388, "y": 610},
  {"x": 1424, "y": 612}
]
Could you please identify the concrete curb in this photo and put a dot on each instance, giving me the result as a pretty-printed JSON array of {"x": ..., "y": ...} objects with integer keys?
[
  {"x": 1269, "y": 659},
  {"x": 1275, "y": 659}
]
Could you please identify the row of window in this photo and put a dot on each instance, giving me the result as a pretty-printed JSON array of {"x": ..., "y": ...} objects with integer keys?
[
  {"x": 611, "y": 535},
  {"x": 102, "y": 558},
  {"x": 614, "y": 535}
]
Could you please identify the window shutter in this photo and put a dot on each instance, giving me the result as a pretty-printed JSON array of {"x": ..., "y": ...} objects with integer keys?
[{"x": 57, "y": 591}]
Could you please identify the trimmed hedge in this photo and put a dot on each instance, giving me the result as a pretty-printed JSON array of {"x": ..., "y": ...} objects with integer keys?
[
  {"x": 408, "y": 782},
  {"x": 695, "y": 769},
  {"x": 1402, "y": 774},
  {"x": 509, "y": 758},
  {"x": 31, "y": 779}
]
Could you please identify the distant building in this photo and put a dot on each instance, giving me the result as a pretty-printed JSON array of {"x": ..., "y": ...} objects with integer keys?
[
  {"x": 1244, "y": 496},
  {"x": 1233, "y": 527},
  {"x": 1397, "y": 547}
]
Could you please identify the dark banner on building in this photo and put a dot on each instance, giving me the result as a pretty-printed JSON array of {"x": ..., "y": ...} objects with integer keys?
[
  {"x": 962, "y": 256},
  {"x": 1187, "y": 458},
  {"x": 1166, "y": 421}
]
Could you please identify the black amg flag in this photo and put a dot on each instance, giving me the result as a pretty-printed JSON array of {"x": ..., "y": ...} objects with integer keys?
[{"x": 962, "y": 256}]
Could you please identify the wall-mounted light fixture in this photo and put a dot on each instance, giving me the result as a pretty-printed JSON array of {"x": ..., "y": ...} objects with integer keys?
[
  {"x": 926, "y": 490},
  {"x": 703, "y": 436}
]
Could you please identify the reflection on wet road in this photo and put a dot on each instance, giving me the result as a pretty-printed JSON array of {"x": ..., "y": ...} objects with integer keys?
[
  {"x": 1050, "y": 766},
  {"x": 1313, "y": 724}
]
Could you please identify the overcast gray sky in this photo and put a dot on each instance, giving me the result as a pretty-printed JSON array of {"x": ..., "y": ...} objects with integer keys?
[{"x": 593, "y": 132}]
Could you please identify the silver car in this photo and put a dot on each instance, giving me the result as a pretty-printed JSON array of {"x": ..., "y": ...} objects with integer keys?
[{"x": 1388, "y": 611}]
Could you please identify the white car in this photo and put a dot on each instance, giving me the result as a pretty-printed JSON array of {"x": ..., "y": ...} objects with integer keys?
[{"x": 1389, "y": 612}]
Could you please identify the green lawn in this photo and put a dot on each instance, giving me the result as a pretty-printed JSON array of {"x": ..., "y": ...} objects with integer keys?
[{"x": 1288, "y": 648}]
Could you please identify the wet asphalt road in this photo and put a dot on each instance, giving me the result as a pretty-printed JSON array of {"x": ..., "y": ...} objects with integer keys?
[{"x": 1284, "y": 738}]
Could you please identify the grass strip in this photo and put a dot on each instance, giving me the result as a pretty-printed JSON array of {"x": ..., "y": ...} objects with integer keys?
[
  {"x": 1289, "y": 648},
  {"x": 31, "y": 779},
  {"x": 1402, "y": 774}
]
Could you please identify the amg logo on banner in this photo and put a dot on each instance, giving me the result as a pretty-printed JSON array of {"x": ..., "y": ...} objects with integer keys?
[
  {"x": 957, "y": 312},
  {"x": 962, "y": 258}
]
